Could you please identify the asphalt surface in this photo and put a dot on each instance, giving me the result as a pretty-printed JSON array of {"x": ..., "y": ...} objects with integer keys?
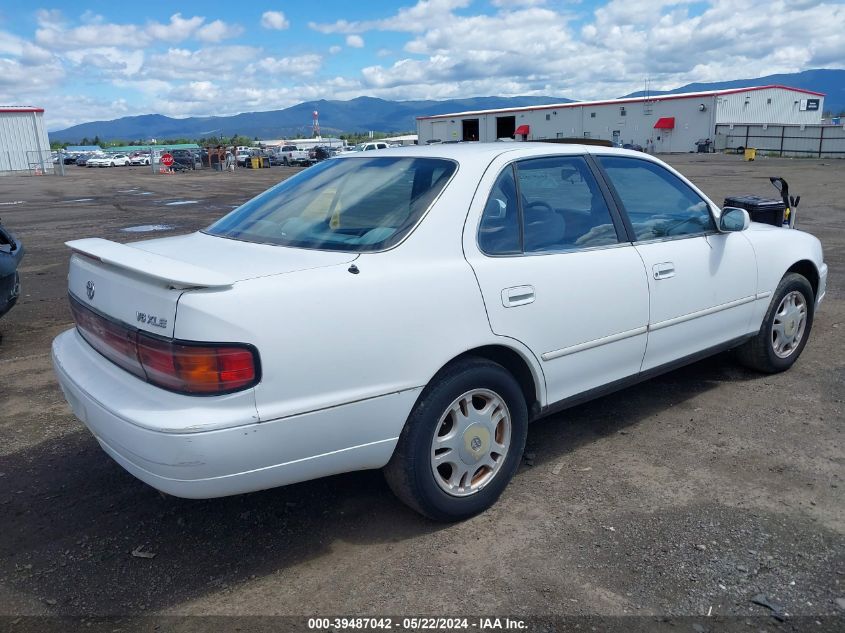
[{"x": 692, "y": 494}]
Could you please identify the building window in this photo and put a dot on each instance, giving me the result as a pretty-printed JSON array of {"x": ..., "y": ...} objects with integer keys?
[
  {"x": 592, "y": 115},
  {"x": 769, "y": 101},
  {"x": 548, "y": 117},
  {"x": 622, "y": 111}
]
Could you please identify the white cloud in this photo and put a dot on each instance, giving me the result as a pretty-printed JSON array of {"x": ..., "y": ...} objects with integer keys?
[
  {"x": 334, "y": 50},
  {"x": 355, "y": 41},
  {"x": 423, "y": 15},
  {"x": 304, "y": 65},
  {"x": 221, "y": 63},
  {"x": 274, "y": 20},
  {"x": 53, "y": 32},
  {"x": 177, "y": 30},
  {"x": 516, "y": 3},
  {"x": 218, "y": 31},
  {"x": 114, "y": 61}
]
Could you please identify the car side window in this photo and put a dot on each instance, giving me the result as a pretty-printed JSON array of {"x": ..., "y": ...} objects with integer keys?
[
  {"x": 499, "y": 231},
  {"x": 562, "y": 205},
  {"x": 658, "y": 203}
]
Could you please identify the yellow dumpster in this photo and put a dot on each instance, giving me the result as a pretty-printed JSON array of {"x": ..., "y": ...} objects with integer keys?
[
  {"x": 750, "y": 153},
  {"x": 255, "y": 162}
]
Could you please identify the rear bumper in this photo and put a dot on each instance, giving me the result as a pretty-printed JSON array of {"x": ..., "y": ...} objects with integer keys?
[{"x": 228, "y": 453}]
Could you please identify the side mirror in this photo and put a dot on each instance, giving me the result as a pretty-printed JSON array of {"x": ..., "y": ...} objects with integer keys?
[{"x": 734, "y": 219}]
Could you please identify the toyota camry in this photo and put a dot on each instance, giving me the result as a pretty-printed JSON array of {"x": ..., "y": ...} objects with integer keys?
[{"x": 413, "y": 310}]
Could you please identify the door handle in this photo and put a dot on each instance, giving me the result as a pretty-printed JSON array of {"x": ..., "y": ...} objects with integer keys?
[
  {"x": 664, "y": 270},
  {"x": 517, "y": 296}
]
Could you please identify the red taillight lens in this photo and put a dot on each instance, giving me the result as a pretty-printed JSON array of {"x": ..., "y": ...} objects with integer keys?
[
  {"x": 114, "y": 341},
  {"x": 196, "y": 368},
  {"x": 185, "y": 367}
]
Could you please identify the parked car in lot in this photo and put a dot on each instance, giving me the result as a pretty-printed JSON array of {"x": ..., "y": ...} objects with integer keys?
[
  {"x": 413, "y": 310},
  {"x": 11, "y": 254},
  {"x": 82, "y": 159},
  {"x": 292, "y": 155},
  {"x": 242, "y": 156},
  {"x": 140, "y": 159},
  {"x": 70, "y": 159},
  {"x": 185, "y": 159},
  {"x": 320, "y": 153},
  {"x": 368, "y": 147},
  {"x": 275, "y": 158},
  {"x": 109, "y": 160},
  {"x": 95, "y": 160}
]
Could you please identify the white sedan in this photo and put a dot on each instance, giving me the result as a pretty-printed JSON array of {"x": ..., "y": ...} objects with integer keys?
[
  {"x": 413, "y": 310},
  {"x": 112, "y": 160}
]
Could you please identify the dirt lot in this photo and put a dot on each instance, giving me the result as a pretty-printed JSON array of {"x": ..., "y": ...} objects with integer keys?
[{"x": 687, "y": 495}]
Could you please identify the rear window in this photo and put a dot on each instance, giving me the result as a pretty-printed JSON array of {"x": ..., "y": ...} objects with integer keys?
[{"x": 353, "y": 204}]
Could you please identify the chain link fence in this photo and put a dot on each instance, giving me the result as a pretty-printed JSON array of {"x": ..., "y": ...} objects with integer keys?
[
  {"x": 31, "y": 162},
  {"x": 811, "y": 141}
]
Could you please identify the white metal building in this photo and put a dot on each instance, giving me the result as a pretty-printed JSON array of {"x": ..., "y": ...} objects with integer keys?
[
  {"x": 304, "y": 143},
  {"x": 24, "y": 145},
  {"x": 671, "y": 123}
]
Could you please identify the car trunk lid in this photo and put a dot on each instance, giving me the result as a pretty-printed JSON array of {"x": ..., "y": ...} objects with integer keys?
[{"x": 140, "y": 283}]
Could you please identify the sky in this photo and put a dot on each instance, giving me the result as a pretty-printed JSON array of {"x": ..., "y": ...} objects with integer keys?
[{"x": 88, "y": 60}]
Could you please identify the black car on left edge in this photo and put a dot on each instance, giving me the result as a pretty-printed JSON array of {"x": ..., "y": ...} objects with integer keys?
[{"x": 11, "y": 253}]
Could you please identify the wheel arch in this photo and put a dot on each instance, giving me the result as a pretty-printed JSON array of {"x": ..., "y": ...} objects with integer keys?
[
  {"x": 527, "y": 374},
  {"x": 807, "y": 269}
]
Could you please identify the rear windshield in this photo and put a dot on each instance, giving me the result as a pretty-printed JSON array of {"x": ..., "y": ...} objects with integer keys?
[{"x": 350, "y": 204}]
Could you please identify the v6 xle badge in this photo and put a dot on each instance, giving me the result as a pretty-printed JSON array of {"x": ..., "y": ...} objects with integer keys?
[
  {"x": 89, "y": 290},
  {"x": 150, "y": 319}
]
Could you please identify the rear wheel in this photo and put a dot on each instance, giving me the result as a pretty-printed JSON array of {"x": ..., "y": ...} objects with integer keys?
[
  {"x": 785, "y": 330},
  {"x": 462, "y": 442}
]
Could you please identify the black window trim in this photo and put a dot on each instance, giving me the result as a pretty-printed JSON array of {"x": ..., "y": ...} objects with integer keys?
[
  {"x": 623, "y": 233},
  {"x": 629, "y": 227}
]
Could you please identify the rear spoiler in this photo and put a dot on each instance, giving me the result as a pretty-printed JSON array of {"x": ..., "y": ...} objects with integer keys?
[{"x": 176, "y": 273}]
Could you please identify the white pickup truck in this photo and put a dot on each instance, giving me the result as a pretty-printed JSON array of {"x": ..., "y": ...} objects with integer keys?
[{"x": 292, "y": 155}]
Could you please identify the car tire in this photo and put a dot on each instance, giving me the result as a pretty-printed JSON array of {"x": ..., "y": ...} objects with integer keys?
[
  {"x": 111, "y": 165},
  {"x": 785, "y": 329},
  {"x": 453, "y": 491}
]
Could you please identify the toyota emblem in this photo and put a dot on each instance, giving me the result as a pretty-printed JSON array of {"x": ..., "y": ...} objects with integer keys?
[
  {"x": 89, "y": 289},
  {"x": 475, "y": 443}
]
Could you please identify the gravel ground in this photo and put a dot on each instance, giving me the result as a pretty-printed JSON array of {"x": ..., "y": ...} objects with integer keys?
[{"x": 691, "y": 494}]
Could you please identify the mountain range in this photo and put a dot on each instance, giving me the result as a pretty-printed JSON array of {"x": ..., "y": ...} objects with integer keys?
[
  {"x": 356, "y": 115},
  {"x": 369, "y": 113}
]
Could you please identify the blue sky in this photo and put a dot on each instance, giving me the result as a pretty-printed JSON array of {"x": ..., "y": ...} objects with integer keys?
[{"x": 93, "y": 59}]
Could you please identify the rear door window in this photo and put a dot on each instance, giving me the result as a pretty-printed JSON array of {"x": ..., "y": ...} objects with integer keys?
[
  {"x": 499, "y": 233},
  {"x": 562, "y": 205}
]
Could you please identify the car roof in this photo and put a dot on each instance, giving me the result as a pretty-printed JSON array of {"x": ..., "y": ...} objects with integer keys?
[{"x": 462, "y": 152}]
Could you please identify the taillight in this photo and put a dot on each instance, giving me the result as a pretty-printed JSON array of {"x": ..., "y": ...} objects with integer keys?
[
  {"x": 116, "y": 342},
  {"x": 181, "y": 366},
  {"x": 196, "y": 368}
]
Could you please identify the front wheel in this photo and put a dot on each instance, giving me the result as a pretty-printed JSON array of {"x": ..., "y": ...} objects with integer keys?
[
  {"x": 462, "y": 442},
  {"x": 785, "y": 330}
]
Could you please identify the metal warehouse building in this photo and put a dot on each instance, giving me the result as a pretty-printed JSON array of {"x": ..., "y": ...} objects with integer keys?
[
  {"x": 672, "y": 123},
  {"x": 24, "y": 145}
]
